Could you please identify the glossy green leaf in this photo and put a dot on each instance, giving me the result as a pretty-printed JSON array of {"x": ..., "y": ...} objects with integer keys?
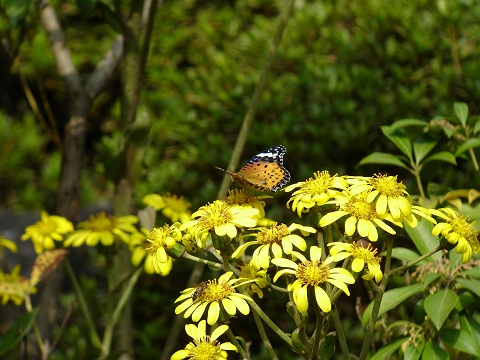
[
  {"x": 444, "y": 156},
  {"x": 433, "y": 351},
  {"x": 472, "y": 285},
  {"x": 476, "y": 128},
  {"x": 17, "y": 332},
  {"x": 429, "y": 279},
  {"x": 423, "y": 239},
  {"x": 388, "y": 349},
  {"x": 465, "y": 300},
  {"x": 465, "y": 339},
  {"x": 383, "y": 158},
  {"x": 469, "y": 144},
  {"x": 391, "y": 299},
  {"x": 439, "y": 306},
  {"x": 401, "y": 141},
  {"x": 408, "y": 122},
  {"x": 475, "y": 272},
  {"x": 405, "y": 254},
  {"x": 461, "y": 112},
  {"x": 422, "y": 147},
  {"x": 414, "y": 351}
]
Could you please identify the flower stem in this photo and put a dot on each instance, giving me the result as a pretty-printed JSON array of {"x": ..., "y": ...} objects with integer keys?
[
  {"x": 402, "y": 268},
  {"x": 94, "y": 338},
  {"x": 369, "y": 331},
  {"x": 264, "y": 337},
  {"x": 340, "y": 334}
]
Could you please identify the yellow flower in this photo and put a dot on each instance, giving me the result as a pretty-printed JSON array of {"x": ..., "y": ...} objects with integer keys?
[
  {"x": 362, "y": 216},
  {"x": 315, "y": 192},
  {"x": 388, "y": 194},
  {"x": 103, "y": 228},
  {"x": 312, "y": 274},
  {"x": 364, "y": 257},
  {"x": 277, "y": 239},
  {"x": 161, "y": 239},
  {"x": 14, "y": 287},
  {"x": 250, "y": 272},
  {"x": 173, "y": 207},
  {"x": 204, "y": 347},
  {"x": 215, "y": 295},
  {"x": 458, "y": 230},
  {"x": 137, "y": 245},
  {"x": 48, "y": 229},
  {"x": 9, "y": 244},
  {"x": 243, "y": 198},
  {"x": 221, "y": 218}
]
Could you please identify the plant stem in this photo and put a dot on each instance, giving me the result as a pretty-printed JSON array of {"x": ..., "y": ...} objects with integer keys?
[
  {"x": 340, "y": 334},
  {"x": 369, "y": 331},
  {"x": 94, "y": 338},
  {"x": 264, "y": 337},
  {"x": 402, "y": 268}
]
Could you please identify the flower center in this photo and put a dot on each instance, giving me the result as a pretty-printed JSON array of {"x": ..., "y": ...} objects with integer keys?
[
  {"x": 387, "y": 185},
  {"x": 176, "y": 203},
  {"x": 157, "y": 237},
  {"x": 239, "y": 197},
  {"x": 215, "y": 214},
  {"x": 321, "y": 183},
  {"x": 100, "y": 222},
  {"x": 46, "y": 228},
  {"x": 462, "y": 227},
  {"x": 274, "y": 234},
  {"x": 358, "y": 207},
  {"x": 205, "y": 349},
  {"x": 216, "y": 292},
  {"x": 313, "y": 273}
]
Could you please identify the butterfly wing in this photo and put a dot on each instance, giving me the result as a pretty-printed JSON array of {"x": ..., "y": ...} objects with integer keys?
[{"x": 265, "y": 170}]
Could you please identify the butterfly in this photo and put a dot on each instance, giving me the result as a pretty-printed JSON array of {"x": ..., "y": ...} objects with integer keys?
[{"x": 264, "y": 171}]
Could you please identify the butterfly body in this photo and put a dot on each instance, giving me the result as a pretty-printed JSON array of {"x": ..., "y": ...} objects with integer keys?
[{"x": 264, "y": 171}]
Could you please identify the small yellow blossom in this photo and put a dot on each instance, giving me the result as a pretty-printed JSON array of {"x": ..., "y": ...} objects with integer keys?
[
  {"x": 137, "y": 245},
  {"x": 221, "y": 218},
  {"x": 13, "y": 287},
  {"x": 362, "y": 216},
  {"x": 104, "y": 229},
  {"x": 364, "y": 257},
  {"x": 161, "y": 239},
  {"x": 276, "y": 239},
  {"x": 259, "y": 276},
  {"x": 315, "y": 192},
  {"x": 173, "y": 207},
  {"x": 312, "y": 274},
  {"x": 215, "y": 295},
  {"x": 458, "y": 230},
  {"x": 204, "y": 347},
  {"x": 246, "y": 199},
  {"x": 48, "y": 229}
]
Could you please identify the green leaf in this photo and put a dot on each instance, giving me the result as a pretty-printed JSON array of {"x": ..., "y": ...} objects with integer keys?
[
  {"x": 401, "y": 141},
  {"x": 475, "y": 272},
  {"x": 423, "y": 239},
  {"x": 469, "y": 144},
  {"x": 422, "y": 146},
  {"x": 392, "y": 299},
  {"x": 465, "y": 299},
  {"x": 414, "y": 351},
  {"x": 407, "y": 122},
  {"x": 472, "y": 285},
  {"x": 16, "y": 9},
  {"x": 476, "y": 128},
  {"x": 465, "y": 339},
  {"x": 429, "y": 279},
  {"x": 405, "y": 254},
  {"x": 389, "y": 349},
  {"x": 433, "y": 351},
  {"x": 383, "y": 158},
  {"x": 439, "y": 305},
  {"x": 461, "y": 112},
  {"x": 17, "y": 332},
  {"x": 445, "y": 156}
]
